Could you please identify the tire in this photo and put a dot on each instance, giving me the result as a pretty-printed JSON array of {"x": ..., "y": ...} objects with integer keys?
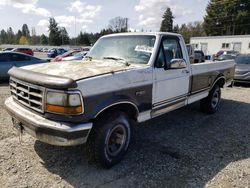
[
  {"x": 109, "y": 139},
  {"x": 211, "y": 103}
]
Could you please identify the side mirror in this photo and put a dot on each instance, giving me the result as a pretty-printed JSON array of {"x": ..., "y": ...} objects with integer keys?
[{"x": 178, "y": 64}]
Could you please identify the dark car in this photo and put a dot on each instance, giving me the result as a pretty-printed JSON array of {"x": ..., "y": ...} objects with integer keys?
[
  {"x": 199, "y": 56},
  {"x": 10, "y": 59},
  {"x": 52, "y": 53},
  {"x": 27, "y": 51},
  {"x": 242, "y": 69}
]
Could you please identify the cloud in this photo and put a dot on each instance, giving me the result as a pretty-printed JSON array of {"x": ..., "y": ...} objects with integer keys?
[
  {"x": 86, "y": 14},
  {"x": 83, "y": 12},
  {"x": 151, "y": 11},
  {"x": 27, "y": 7}
]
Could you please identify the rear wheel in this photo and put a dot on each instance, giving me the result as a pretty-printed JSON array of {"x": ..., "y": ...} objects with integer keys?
[
  {"x": 109, "y": 139},
  {"x": 211, "y": 103}
]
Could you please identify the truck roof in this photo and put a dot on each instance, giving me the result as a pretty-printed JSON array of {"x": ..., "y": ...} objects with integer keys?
[{"x": 143, "y": 33}]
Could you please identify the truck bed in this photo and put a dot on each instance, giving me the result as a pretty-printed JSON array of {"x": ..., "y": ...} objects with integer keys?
[{"x": 204, "y": 74}]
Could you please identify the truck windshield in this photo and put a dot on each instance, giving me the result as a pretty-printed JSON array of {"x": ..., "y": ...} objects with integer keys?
[{"x": 131, "y": 49}]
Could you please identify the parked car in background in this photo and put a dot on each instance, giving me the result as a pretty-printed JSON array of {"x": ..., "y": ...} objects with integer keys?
[
  {"x": 10, "y": 59},
  {"x": 199, "y": 56},
  {"x": 225, "y": 52},
  {"x": 24, "y": 50},
  {"x": 7, "y": 49},
  {"x": 77, "y": 56},
  {"x": 242, "y": 69},
  {"x": 66, "y": 54},
  {"x": 52, "y": 53},
  {"x": 226, "y": 57},
  {"x": 45, "y": 50}
]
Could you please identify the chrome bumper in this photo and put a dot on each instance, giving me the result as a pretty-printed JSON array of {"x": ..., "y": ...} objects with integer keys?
[{"x": 45, "y": 130}]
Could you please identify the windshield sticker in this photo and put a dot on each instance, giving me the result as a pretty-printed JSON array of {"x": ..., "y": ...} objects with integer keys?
[{"x": 144, "y": 48}]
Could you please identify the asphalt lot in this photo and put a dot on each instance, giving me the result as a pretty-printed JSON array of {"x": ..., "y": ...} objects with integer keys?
[{"x": 184, "y": 148}]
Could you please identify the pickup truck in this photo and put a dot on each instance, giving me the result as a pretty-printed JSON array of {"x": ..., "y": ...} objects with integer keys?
[{"x": 124, "y": 79}]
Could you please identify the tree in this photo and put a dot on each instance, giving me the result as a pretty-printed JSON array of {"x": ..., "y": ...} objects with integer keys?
[
  {"x": 25, "y": 31},
  {"x": 3, "y": 37},
  {"x": 83, "y": 39},
  {"x": 43, "y": 40},
  {"x": 54, "y": 33},
  {"x": 118, "y": 24},
  {"x": 10, "y": 36},
  {"x": 227, "y": 17},
  {"x": 18, "y": 36},
  {"x": 192, "y": 29},
  {"x": 167, "y": 21},
  {"x": 176, "y": 29},
  {"x": 64, "y": 36},
  {"x": 34, "y": 38},
  {"x": 23, "y": 40}
]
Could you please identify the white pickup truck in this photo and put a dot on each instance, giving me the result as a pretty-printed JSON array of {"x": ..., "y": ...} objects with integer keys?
[{"x": 125, "y": 78}]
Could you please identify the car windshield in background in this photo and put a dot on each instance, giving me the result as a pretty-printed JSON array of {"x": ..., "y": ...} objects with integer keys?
[
  {"x": 132, "y": 49},
  {"x": 243, "y": 60}
]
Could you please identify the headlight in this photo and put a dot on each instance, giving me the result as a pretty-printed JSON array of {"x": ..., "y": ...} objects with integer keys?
[{"x": 69, "y": 103}]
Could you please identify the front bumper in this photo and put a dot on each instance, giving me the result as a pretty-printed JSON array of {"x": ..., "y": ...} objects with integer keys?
[{"x": 45, "y": 130}]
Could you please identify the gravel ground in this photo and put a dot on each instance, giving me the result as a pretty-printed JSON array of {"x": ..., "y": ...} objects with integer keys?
[{"x": 184, "y": 148}]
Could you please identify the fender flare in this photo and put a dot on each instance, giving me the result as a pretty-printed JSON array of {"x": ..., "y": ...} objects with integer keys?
[{"x": 220, "y": 77}]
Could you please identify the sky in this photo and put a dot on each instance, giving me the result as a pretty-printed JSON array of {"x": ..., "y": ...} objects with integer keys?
[{"x": 94, "y": 15}]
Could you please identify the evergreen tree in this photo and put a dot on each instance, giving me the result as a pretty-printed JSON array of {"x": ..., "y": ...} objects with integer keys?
[
  {"x": 10, "y": 36},
  {"x": 64, "y": 36},
  {"x": 44, "y": 40},
  {"x": 25, "y": 31},
  {"x": 227, "y": 17},
  {"x": 167, "y": 21},
  {"x": 54, "y": 33},
  {"x": 18, "y": 36},
  {"x": 83, "y": 39},
  {"x": 176, "y": 29},
  {"x": 3, "y": 37}
]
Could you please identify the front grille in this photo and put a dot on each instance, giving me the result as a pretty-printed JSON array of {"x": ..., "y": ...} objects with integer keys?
[{"x": 29, "y": 95}]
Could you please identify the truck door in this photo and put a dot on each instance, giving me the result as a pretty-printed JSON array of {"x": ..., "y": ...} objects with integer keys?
[{"x": 171, "y": 85}]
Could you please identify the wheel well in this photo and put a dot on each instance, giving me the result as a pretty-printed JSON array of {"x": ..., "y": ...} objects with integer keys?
[
  {"x": 220, "y": 81},
  {"x": 129, "y": 109}
]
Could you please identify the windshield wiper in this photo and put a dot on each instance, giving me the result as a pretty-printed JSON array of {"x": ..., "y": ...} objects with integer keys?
[{"x": 117, "y": 59}]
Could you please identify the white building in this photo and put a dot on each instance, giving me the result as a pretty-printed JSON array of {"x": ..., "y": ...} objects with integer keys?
[{"x": 212, "y": 44}]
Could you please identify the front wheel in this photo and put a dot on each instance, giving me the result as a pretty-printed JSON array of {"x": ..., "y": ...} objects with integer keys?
[
  {"x": 211, "y": 103},
  {"x": 109, "y": 139}
]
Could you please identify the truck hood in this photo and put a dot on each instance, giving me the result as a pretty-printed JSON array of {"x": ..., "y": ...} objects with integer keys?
[{"x": 77, "y": 70}]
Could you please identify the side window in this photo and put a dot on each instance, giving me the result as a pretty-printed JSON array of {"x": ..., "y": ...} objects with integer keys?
[
  {"x": 161, "y": 59},
  {"x": 4, "y": 57},
  {"x": 172, "y": 49},
  {"x": 19, "y": 57}
]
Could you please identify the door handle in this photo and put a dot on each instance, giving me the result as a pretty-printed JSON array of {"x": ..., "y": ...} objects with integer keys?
[{"x": 185, "y": 71}]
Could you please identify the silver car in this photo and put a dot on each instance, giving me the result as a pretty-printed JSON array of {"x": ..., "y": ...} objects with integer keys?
[
  {"x": 11, "y": 59},
  {"x": 242, "y": 70}
]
